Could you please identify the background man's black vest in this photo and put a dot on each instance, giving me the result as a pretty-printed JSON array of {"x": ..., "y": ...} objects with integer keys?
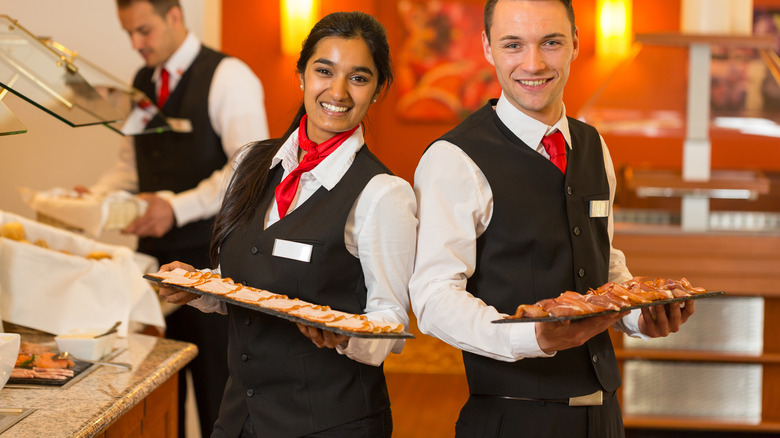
[
  {"x": 540, "y": 242},
  {"x": 179, "y": 161},
  {"x": 291, "y": 387}
]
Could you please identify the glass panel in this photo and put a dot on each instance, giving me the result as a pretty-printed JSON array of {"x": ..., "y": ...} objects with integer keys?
[
  {"x": 647, "y": 94},
  {"x": 635, "y": 100},
  {"x": 34, "y": 72},
  {"x": 138, "y": 114},
  {"x": 9, "y": 123}
]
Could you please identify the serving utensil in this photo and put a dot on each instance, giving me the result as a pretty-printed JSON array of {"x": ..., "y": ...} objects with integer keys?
[
  {"x": 66, "y": 355},
  {"x": 111, "y": 330}
]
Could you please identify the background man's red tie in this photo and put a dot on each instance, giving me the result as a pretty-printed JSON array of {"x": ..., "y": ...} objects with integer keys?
[
  {"x": 163, "y": 96},
  {"x": 555, "y": 146}
]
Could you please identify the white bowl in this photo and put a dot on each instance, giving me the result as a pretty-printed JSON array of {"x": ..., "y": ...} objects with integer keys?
[
  {"x": 82, "y": 343},
  {"x": 9, "y": 349}
]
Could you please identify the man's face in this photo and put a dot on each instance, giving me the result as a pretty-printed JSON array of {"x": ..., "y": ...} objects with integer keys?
[
  {"x": 531, "y": 46},
  {"x": 151, "y": 35}
]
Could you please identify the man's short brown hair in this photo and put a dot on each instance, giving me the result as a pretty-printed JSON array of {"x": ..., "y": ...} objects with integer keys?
[
  {"x": 490, "y": 6},
  {"x": 161, "y": 7}
]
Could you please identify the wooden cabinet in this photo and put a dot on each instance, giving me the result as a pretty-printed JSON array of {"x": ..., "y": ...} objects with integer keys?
[
  {"x": 156, "y": 416},
  {"x": 742, "y": 265}
]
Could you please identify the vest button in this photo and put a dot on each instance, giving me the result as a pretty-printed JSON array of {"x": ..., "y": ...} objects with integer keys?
[
  {"x": 248, "y": 321},
  {"x": 595, "y": 359},
  {"x": 581, "y": 272},
  {"x": 250, "y": 392},
  {"x": 244, "y": 358},
  {"x": 253, "y": 250},
  {"x": 576, "y": 231},
  {"x": 568, "y": 190}
]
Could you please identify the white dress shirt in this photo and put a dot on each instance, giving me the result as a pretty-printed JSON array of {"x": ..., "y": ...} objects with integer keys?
[
  {"x": 381, "y": 231},
  {"x": 237, "y": 113},
  {"x": 455, "y": 205}
]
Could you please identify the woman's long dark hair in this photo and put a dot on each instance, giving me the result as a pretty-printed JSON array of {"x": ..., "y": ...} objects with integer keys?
[{"x": 251, "y": 178}]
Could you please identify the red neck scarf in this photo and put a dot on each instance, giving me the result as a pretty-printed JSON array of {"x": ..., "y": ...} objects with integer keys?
[{"x": 315, "y": 153}]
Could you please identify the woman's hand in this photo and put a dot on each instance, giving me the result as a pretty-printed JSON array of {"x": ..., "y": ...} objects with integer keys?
[
  {"x": 176, "y": 296},
  {"x": 322, "y": 338}
]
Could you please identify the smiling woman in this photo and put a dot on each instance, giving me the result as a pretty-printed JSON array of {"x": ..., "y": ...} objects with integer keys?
[
  {"x": 314, "y": 215},
  {"x": 339, "y": 84}
]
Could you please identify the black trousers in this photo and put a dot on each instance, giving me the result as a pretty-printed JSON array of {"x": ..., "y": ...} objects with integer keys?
[
  {"x": 376, "y": 426},
  {"x": 209, "y": 331},
  {"x": 491, "y": 417}
]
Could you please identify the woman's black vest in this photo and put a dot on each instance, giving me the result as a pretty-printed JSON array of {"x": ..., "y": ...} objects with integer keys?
[
  {"x": 178, "y": 161},
  {"x": 279, "y": 377},
  {"x": 540, "y": 242}
]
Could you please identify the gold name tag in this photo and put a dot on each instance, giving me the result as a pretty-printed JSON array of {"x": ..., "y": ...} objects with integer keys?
[{"x": 179, "y": 125}]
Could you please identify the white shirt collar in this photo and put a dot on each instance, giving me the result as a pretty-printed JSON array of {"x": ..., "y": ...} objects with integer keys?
[
  {"x": 330, "y": 171},
  {"x": 181, "y": 59},
  {"x": 528, "y": 129}
]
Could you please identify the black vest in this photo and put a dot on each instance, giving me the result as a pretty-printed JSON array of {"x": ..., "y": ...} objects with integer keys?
[
  {"x": 541, "y": 241},
  {"x": 179, "y": 161},
  {"x": 279, "y": 377}
]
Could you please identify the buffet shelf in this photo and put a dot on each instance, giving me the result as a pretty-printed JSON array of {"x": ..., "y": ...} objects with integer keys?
[
  {"x": 696, "y": 356},
  {"x": 696, "y": 423},
  {"x": 744, "y": 265}
]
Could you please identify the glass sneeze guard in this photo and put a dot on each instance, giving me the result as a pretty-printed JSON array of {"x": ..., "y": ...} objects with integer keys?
[
  {"x": 9, "y": 123},
  {"x": 138, "y": 114},
  {"x": 37, "y": 74}
]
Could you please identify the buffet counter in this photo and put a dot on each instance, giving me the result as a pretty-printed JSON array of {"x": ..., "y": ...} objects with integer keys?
[{"x": 131, "y": 403}]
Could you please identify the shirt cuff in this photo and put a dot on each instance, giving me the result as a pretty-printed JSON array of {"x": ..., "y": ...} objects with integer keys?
[
  {"x": 522, "y": 338},
  {"x": 630, "y": 325},
  {"x": 369, "y": 351},
  {"x": 207, "y": 304},
  {"x": 186, "y": 206}
]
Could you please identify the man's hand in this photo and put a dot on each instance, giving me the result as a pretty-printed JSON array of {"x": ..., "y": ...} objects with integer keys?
[
  {"x": 660, "y": 321},
  {"x": 176, "y": 296},
  {"x": 562, "y": 335},
  {"x": 322, "y": 338},
  {"x": 157, "y": 220}
]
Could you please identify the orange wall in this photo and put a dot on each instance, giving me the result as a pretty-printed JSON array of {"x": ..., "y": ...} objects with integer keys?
[{"x": 251, "y": 32}]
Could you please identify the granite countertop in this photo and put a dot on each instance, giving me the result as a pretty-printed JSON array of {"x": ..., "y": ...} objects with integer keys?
[{"x": 85, "y": 407}]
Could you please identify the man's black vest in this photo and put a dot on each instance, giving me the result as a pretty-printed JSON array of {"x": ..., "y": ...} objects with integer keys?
[
  {"x": 540, "y": 242},
  {"x": 178, "y": 161},
  {"x": 288, "y": 385}
]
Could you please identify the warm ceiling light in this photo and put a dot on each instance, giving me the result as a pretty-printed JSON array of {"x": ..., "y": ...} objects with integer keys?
[
  {"x": 614, "y": 28},
  {"x": 298, "y": 17}
]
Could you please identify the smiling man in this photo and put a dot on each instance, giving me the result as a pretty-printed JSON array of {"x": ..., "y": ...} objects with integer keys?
[
  {"x": 215, "y": 104},
  {"x": 515, "y": 207}
]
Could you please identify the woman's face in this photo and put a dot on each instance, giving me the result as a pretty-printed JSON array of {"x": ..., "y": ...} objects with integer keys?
[{"x": 339, "y": 84}]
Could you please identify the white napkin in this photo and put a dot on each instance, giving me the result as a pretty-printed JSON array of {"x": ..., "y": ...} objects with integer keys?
[
  {"x": 49, "y": 290},
  {"x": 91, "y": 213}
]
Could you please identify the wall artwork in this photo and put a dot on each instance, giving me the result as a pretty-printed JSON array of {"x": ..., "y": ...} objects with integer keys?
[
  {"x": 742, "y": 85},
  {"x": 441, "y": 72}
]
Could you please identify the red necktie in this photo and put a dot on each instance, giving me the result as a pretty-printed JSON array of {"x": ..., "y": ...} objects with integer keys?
[
  {"x": 163, "y": 96},
  {"x": 315, "y": 153},
  {"x": 555, "y": 146}
]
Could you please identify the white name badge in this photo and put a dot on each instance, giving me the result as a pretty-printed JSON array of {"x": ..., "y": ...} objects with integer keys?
[
  {"x": 292, "y": 250},
  {"x": 599, "y": 208},
  {"x": 179, "y": 125}
]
